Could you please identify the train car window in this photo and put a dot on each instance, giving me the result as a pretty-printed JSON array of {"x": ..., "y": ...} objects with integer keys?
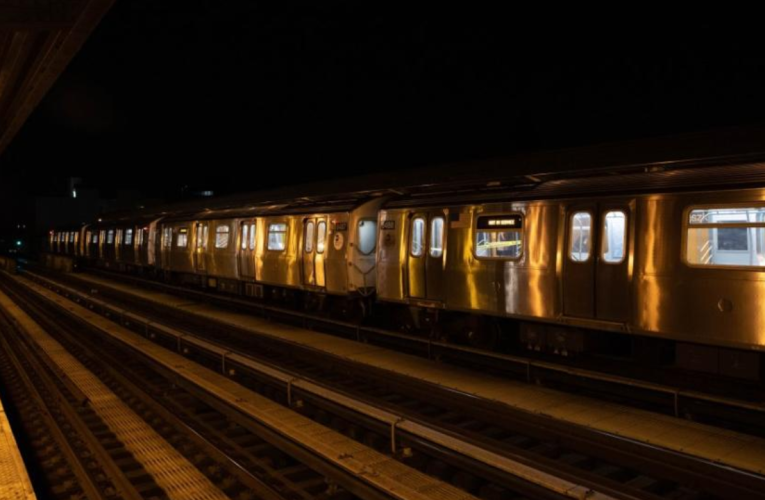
[
  {"x": 71, "y": 237},
  {"x": 167, "y": 237},
  {"x": 221, "y": 236},
  {"x": 309, "y": 228},
  {"x": 252, "y": 236},
  {"x": 95, "y": 238},
  {"x": 499, "y": 236},
  {"x": 726, "y": 236},
  {"x": 245, "y": 236},
  {"x": 183, "y": 238},
  {"x": 437, "y": 237},
  {"x": 277, "y": 237},
  {"x": 110, "y": 237},
  {"x": 202, "y": 233},
  {"x": 417, "y": 242},
  {"x": 579, "y": 236},
  {"x": 139, "y": 237},
  {"x": 614, "y": 236},
  {"x": 128, "y": 236},
  {"x": 367, "y": 235},
  {"x": 321, "y": 236}
]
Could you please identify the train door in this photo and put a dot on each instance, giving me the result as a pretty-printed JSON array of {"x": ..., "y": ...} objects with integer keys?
[
  {"x": 313, "y": 251},
  {"x": 596, "y": 280},
  {"x": 247, "y": 249},
  {"x": 425, "y": 261},
  {"x": 200, "y": 248}
]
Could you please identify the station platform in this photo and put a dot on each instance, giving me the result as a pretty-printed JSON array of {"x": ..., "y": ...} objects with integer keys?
[
  {"x": 381, "y": 471},
  {"x": 701, "y": 441},
  {"x": 178, "y": 477},
  {"x": 14, "y": 480}
]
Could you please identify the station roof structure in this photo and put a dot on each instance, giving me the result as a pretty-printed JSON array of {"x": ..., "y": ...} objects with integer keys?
[{"x": 38, "y": 39}]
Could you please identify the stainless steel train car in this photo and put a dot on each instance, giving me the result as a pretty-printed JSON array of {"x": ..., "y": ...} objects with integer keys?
[{"x": 644, "y": 261}]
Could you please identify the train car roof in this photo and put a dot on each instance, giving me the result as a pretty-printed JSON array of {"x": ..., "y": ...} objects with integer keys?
[
  {"x": 595, "y": 169},
  {"x": 249, "y": 207},
  {"x": 656, "y": 179}
]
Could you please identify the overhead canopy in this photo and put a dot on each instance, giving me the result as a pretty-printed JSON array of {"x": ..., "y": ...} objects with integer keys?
[{"x": 38, "y": 38}]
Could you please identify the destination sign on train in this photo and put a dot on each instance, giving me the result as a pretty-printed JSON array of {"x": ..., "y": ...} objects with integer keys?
[{"x": 500, "y": 222}]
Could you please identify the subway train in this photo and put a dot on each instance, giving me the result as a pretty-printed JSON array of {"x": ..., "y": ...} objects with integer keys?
[{"x": 658, "y": 263}]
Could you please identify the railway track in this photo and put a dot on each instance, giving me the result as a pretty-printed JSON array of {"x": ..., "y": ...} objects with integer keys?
[
  {"x": 302, "y": 380},
  {"x": 734, "y": 405},
  {"x": 81, "y": 458}
]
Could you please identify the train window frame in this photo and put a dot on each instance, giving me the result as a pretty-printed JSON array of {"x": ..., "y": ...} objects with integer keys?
[
  {"x": 687, "y": 226},
  {"x": 251, "y": 244},
  {"x": 220, "y": 242},
  {"x": 274, "y": 230},
  {"x": 128, "y": 236},
  {"x": 359, "y": 225},
  {"x": 321, "y": 236},
  {"x": 569, "y": 232},
  {"x": 436, "y": 252},
  {"x": 110, "y": 237},
  {"x": 244, "y": 235},
  {"x": 167, "y": 237},
  {"x": 309, "y": 235},
  {"x": 201, "y": 240},
  {"x": 182, "y": 239},
  {"x": 475, "y": 231},
  {"x": 423, "y": 241},
  {"x": 603, "y": 233}
]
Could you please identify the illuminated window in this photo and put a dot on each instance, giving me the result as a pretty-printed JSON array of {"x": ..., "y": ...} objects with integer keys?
[
  {"x": 252, "y": 236},
  {"x": 128, "y": 236},
  {"x": 95, "y": 238},
  {"x": 183, "y": 238},
  {"x": 167, "y": 237},
  {"x": 367, "y": 234},
  {"x": 726, "y": 236},
  {"x": 321, "y": 236},
  {"x": 71, "y": 237},
  {"x": 614, "y": 236},
  {"x": 417, "y": 241},
  {"x": 202, "y": 235},
  {"x": 245, "y": 232},
  {"x": 221, "y": 236},
  {"x": 139, "y": 237},
  {"x": 437, "y": 237},
  {"x": 499, "y": 236},
  {"x": 277, "y": 237},
  {"x": 110, "y": 237},
  {"x": 579, "y": 236},
  {"x": 309, "y": 227}
]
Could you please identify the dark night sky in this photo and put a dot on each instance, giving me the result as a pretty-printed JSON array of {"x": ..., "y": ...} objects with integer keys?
[{"x": 238, "y": 95}]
